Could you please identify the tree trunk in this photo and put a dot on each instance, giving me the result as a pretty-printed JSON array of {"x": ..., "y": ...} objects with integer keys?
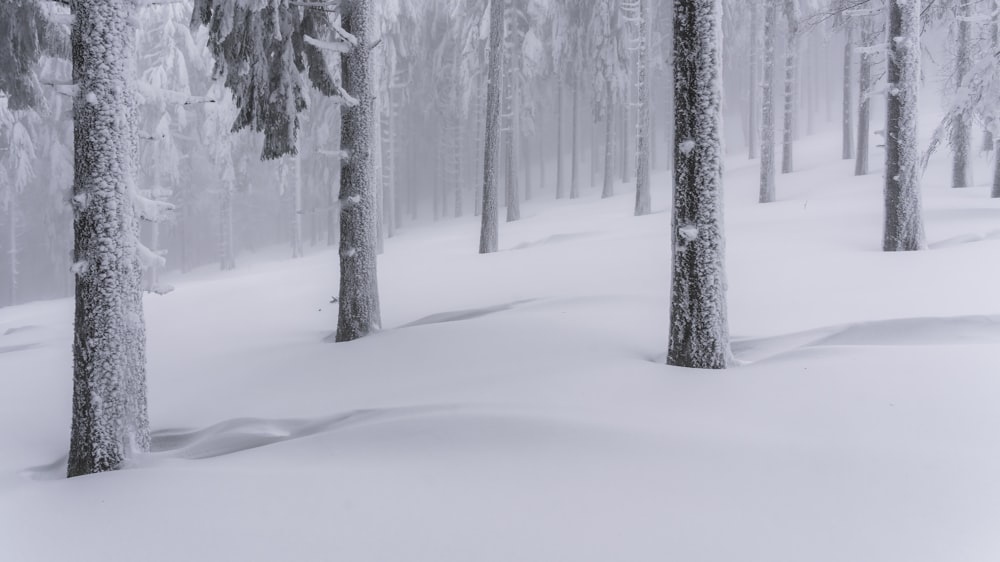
[
  {"x": 512, "y": 195},
  {"x": 699, "y": 334},
  {"x": 643, "y": 201},
  {"x": 753, "y": 143},
  {"x": 560, "y": 149},
  {"x": 864, "y": 100},
  {"x": 767, "y": 105},
  {"x": 847, "y": 108},
  {"x": 791, "y": 76},
  {"x": 961, "y": 126},
  {"x": 489, "y": 234},
  {"x": 904, "y": 229},
  {"x": 574, "y": 181},
  {"x": 609, "y": 143},
  {"x": 297, "y": 211},
  {"x": 110, "y": 423},
  {"x": 359, "y": 304},
  {"x": 12, "y": 250},
  {"x": 227, "y": 254}
]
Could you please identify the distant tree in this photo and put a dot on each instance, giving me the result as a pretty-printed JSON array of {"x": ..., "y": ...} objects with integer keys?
[
  {"x": 961, "y": 128},
  {"x": 767, "y": 156},
  {"x": 643, "y": 198},
  {"x": 489, "y": 235},
  {"x": 699, "y": 334}
]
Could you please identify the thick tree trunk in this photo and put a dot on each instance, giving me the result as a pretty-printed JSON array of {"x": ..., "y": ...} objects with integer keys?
[
  {"x": 904, "y": 229},
  {"x": 643, "y": 199},
  {"x": 699, "y": 334},
  {"x": 489, "y": 234},
  {"x": 359, "y": 304},
  {"x": 110, "y": 423},
  {"x": 847, "y": 107},
  {"x": 767, "y": 156}
]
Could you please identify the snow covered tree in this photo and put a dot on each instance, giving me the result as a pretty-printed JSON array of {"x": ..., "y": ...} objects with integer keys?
[
  {"x": 699, "y": 334},
  {"x": 768, "y": 121},
  {"x": 110, "y": 423},
  {"x": 904, "y": 228},
  {"x": 643, "y": 198},
  {"x": 793, "y": 14},
  {"x": 961, "y": 128},
  {"x": 489, "y": 235},
  {"x": 870, "y": 33},
  {"x": 610, "y": 79},
  {"x": 847, "y": 102},
  {"x": 359, "y": 304}
]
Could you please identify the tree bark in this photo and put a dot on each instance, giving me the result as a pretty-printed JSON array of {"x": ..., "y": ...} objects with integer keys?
[
  {"x": 643, "y": 199},
  {"x": 699, "y": 334},
  {"x": 961, "y": 140},
  {"x": 489, "y": 234},
  {"x": 359, "y": 303},
  {"x": 110, "y": 423},
  {"x": 767, "y": 156},
  {"x": 904, "y": 230},
  {"x": 847, "y": 107}
]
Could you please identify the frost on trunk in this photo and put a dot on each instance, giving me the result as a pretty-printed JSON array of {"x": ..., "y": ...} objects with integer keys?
[
  {"x": 847, "y": 109},
  {"x": 609, "y": 141},
  {"x": 699, "y": 334},
  {"x": 643, "y": 203},
  {"x": 791, "y": 76},
  {"x": 904, "y": 229},
  {"x": 753, "y": 125},
  {"x": 489, "y": 234},
  {"x": 864, "y": 97},
  {"x": 767, "y": 160},
  {"x": 110, "y": 423},
  {"x": 961, "y": 140},
  {"x": 359, "y": 305}
]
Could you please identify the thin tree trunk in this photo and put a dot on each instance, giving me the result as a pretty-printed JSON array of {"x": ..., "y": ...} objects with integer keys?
[
  {"x": 767, "y": 156},
  {"x": 609, "y": 144},
  {"x": 864, "y": 101},
  {"x": 560, "y": 148},
  {"x": 753, "y": 144},
  {"x": 297, "y": 249},
  {"x": 791, "y": 76},
  {"x": 847, "y": 108},
  {"x": 961, "y": 127},
  {"x": 489, "y": 235},
  {"x": 643, "y": 199},
  {"x": 359, "y": 312},
  {"x": 574, "y": 181}
]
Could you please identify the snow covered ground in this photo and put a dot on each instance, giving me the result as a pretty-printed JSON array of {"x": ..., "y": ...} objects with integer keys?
[{"x": 517, "y": 407}]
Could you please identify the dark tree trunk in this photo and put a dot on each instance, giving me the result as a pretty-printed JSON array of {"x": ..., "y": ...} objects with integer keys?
[
  {"x": 110, "y": 422},
  {"x": 359, "y": 304},
  {"x": 904, "y": 228},
  {"x": 698, "y": 327}
]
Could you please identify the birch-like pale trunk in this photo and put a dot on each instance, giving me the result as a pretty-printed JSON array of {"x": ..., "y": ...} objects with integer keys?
[{"x": 753, "y": 110}]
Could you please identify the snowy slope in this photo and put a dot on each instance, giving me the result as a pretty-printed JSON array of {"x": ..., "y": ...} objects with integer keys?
[{"x": 517, "y": 407}]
